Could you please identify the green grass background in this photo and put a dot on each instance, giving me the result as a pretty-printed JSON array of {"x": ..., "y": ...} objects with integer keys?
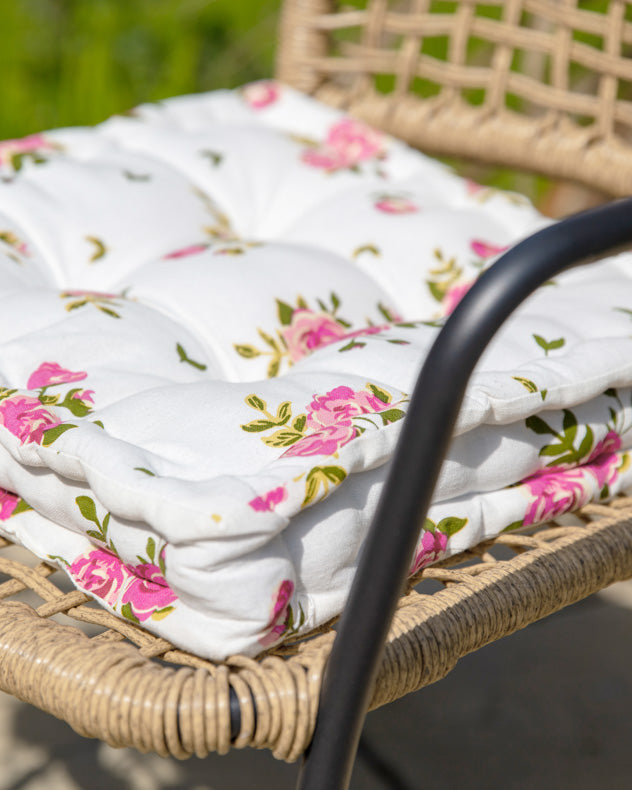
[{"x": 68, "y": 62}]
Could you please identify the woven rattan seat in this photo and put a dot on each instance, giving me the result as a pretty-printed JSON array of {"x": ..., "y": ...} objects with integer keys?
[
  {"x": 552, "y": 86},
  {"x": 129, "y": 688}
]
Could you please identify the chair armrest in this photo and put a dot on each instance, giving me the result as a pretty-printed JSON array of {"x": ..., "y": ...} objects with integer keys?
[{"x": 416, "y": 465}]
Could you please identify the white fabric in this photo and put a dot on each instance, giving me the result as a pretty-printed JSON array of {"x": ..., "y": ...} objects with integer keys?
[{"x": 212, "y": 311}]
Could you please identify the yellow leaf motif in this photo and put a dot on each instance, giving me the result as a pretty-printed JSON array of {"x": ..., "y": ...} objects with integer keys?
[
  {"x": 100, "y": 250},
  {"x": 366, "y": 248},
  {"x": 526, "y": 383}
]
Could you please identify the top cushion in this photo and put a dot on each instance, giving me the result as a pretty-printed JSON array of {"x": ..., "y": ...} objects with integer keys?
[{"x": 213, "y": 311}]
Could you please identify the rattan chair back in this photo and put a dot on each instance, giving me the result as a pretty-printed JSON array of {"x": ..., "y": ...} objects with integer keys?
[{"x": 542, "y": 85}]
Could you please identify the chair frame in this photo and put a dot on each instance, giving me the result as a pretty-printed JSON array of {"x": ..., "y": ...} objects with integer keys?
[{"x": 120, "y": 685}]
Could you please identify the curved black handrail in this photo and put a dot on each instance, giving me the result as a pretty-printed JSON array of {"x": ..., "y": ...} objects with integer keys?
[{"x": 415, "y": 467}]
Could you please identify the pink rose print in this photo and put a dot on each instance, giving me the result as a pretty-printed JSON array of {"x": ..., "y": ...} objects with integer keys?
[
  {"x": 348, "y": 143},
  {"x": 25, "y": 145},
  {"x": 395, "y": 204},
  {"x": 8, "y": 503},
  {"x": 330, "y": 416},
  {"x": 327, "y": 441},
  {"x": 193, "y": 249},
  {"x": 473, "y": 188},
  {"x": 26, "y": 418},
  {"x": 50, "y": 373},
  {"x": 603, "y": 460},
  {"x": 431, "y": 548},
  {"x": 309, "y": 331},
  {"x": 261, "y": 94},
  {"x": 147, "y": 592},
  {"x": 454, "y": 296},
  {"x": 558, "y": 490},
  {"x": 340, "y": 405},
  {"x": 270, "y": 500},
  {"x": 84, "y": 395},
  {"x": 485, "y": 249},
  {"x": 100, "y": 573},
  {"x": 277, "y": 624},
  {"x": 91, "y": 294},
  {"x": 358, "y": 141},
  {"x": 304, "y": 330},
  {"x": 325, "y": 159}
]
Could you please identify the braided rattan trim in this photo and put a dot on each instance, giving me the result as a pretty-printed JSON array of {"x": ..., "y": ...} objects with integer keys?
[
  {"x": 122, "y": 686},
  {"x": 565, "y": 71}
]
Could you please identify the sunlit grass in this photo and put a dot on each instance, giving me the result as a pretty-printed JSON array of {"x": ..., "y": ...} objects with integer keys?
[{"x": 67, "y": 62}]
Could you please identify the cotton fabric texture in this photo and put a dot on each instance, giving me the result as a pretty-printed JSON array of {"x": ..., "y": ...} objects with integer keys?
[{"x": 213, "y": 312}]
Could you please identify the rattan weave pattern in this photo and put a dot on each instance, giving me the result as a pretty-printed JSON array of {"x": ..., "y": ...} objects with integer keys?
[
  {"x": 129, "y": 688},
  {"x": 551, "y": 81}
]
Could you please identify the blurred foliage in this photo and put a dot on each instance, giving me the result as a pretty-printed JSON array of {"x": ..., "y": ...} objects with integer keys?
[
  {"x": 67, "y": 62},
  {"x": 73, "y": 62}
]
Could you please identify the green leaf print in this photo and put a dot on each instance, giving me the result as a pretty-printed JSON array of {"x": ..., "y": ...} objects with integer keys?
[
  {"x": 391, "y": 415},
  {"x": 351, "y": 345},
  {"x": 248, "y": 352},
  {"x": 366, "y": 248},
  {"x": 526, "y": 383},
  {"x": 321, "y": 477},
  {"x": 282, "y": 438},
  {"x": 257, "y": 426},
  {"x": 159, "y": 614},
  {"x": 255, "y": 402},
  {"x": 284, "y": 412},
  {"x": 379, "y": 393},
  {"x": 214, "y": 157},
  {"x": 299, "y": 423},
  {"x": 75, "y": 405},
  {"x": 99, "y": 248},
  {"x": 443, "y": 276},
  {"x": 282, "y": 417},
  {"x": 429, "y": 525},
  {"x": 185, "y": 358},
  {"x": 128, "y": 614},
  {"x": 52, "y": 434},
  {"x": 537, "y": 425},
  {"x": 140, "y": 177},
  {"x": 88, "y": 509},
  {"x": 563, "y": 451},
  {"x": 21, "y": 507},
  {"x": 285, "y": 312},
  {"x": 549, "y": 345},
  {"x": 451, "y": 525}
]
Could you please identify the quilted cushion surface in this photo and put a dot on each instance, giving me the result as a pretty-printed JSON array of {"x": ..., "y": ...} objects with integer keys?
[{"x": 213, "y": 311}]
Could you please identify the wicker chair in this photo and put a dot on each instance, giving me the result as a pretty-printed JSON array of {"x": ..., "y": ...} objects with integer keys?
[{"x": 570, "y": 119}]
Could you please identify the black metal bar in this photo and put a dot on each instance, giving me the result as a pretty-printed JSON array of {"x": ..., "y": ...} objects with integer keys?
[{"x": 415, "y": 467}]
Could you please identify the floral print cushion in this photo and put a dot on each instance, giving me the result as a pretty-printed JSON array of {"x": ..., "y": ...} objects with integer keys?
[{"x": 213, "y": 311}]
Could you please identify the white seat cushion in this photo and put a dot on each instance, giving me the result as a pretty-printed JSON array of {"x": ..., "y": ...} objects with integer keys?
[{"x": 212, "y": 313}]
